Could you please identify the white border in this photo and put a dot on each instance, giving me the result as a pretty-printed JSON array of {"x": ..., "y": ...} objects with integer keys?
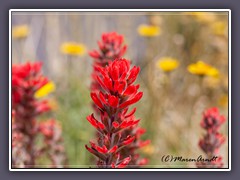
[{"x": 121, "y": 10}]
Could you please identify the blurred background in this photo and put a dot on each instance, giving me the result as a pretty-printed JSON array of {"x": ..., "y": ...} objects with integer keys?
[{"x": 174, "y": 99}]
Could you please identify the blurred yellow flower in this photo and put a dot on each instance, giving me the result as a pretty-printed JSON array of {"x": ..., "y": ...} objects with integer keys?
[
  {"x": 149, "y": 30},
  {"x": 72, "y": 48},
  {"x": 20, "y": 31},
  {"x": 219, "y": 27},
  {"x": 203, "y": 17},
  {"x": 202, "y": 69},
  {"x": 167, "y": 64},
  {"x": 45, "y": 90},
  {"x": 149, "y": 149}
]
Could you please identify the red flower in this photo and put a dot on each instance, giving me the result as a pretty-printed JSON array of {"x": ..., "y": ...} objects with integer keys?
[
  {"x": 117, "y": 93},
  {"x": 26, "y": 80},
  {"x": 212, "y": 140},
  {"x": 110, "y": 48},
  {"x": 212, "y": 120}
]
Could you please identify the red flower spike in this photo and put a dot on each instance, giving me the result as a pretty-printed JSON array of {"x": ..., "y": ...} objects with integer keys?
[
  {"x": 212, "y": 120},
  {"x": 27, "y": 78},
  {"x": 212, "y": 140},
  {"x": 113, "y": 86}
]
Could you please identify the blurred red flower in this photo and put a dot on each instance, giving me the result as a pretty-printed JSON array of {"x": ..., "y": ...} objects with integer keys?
[{"x": 212, "y": 140}]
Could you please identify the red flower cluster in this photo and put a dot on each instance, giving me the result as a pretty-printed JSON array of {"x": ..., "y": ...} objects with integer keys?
[
  {"x": 212, "y": 140},
  {"x": 111, "y": 47},
  {"x": 117, "y": 93},
  {"x": 26, "y": 80}
]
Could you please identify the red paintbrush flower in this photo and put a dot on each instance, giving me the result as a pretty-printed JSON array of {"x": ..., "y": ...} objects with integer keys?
[
  {"x": 212, "y": 140},
  {"x": 117, "y": 93},
  {"x": 212, "y": 120},
  {"x": 27, "y": 81},
  {"x": 110, "y": 48}
]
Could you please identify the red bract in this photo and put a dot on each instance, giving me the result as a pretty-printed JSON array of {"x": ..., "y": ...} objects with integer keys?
[
  {"x": 212, "y": 140},
  {"x": 27, "y": 79},
  {"x": 116, "y": 126}
]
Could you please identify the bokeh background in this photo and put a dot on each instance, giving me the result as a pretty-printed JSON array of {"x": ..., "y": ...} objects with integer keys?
[{"x": 173, "y": 102}]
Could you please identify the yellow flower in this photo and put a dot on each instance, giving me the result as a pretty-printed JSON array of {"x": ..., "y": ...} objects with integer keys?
[
  {"x": 167, "y": 64},
  {"x": 219, "y": 28},
  {"x": 149, "y": 30},
  {"x": 202, "y": 69},
  {"x": 45, "y": 90},
  {"x": 20, "y": 31},
  {"x": 72, "y": 48}
]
